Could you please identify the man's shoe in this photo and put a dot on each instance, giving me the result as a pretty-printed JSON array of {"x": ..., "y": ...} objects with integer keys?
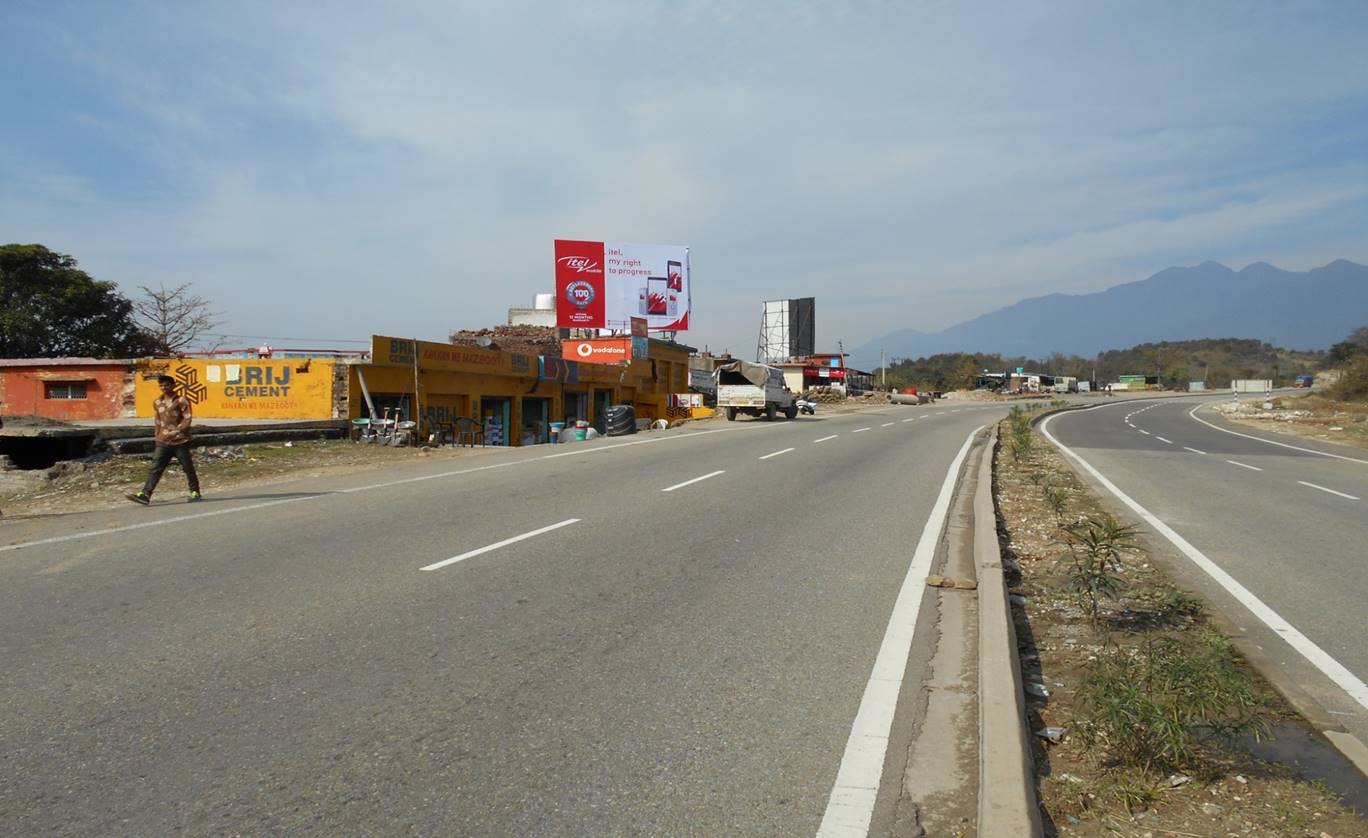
[
  {"x": 195, "y": 496},
  {"x": 140, "y": 497}
]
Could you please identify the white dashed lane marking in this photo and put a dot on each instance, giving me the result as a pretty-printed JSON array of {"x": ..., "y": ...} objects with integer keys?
[
  {"x": 507, "y": 541},
  {"x": 693, "y": 481},
  {"x": 1323, "y": 489}
]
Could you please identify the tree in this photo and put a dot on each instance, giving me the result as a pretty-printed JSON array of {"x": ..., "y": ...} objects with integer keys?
[
  {"x": 1349, "y": 348},
  {"x": 51, "y": 308},
  {"x": 174, "y": 318}
]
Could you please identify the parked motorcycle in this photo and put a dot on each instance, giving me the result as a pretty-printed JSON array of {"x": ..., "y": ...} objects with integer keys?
[{"x": 806, "y": 405}]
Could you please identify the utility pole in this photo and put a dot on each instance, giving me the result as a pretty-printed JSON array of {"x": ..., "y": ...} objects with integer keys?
[{"x": 883, "y": 370}]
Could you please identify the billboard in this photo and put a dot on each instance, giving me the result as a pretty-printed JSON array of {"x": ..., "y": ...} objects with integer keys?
[
  {"x": 597, "y": 351},
  {"x": 802, "y": 327},
  {"x": 603, "y": 285}
]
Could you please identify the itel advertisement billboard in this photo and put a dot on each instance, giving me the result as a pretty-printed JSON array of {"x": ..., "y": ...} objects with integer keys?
[{"x": 603, "y": 285}]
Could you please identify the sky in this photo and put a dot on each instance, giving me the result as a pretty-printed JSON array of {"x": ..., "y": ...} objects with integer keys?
[{"x": 326, "y": 171}]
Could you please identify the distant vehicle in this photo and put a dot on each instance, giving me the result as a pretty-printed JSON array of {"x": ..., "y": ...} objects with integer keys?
[
  {"x": 1304, "y": 381},
  {"x": 753, "y": 389},
  {"x": 806, "y": 405}
]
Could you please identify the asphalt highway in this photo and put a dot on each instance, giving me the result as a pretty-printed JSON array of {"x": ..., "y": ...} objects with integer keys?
[
  {"x": 1285, "y": 519},
  {"x": 667, "y": 633}
]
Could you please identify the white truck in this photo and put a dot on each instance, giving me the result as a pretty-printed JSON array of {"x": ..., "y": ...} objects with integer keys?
[{"x": 753, "y": 389}]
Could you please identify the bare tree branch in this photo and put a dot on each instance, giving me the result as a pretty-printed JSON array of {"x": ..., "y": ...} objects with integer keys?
[{"x": 174, "y": 318}]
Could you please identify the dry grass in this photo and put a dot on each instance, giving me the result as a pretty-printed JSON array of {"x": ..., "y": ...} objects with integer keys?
[{"x": 1135, "y": 683}]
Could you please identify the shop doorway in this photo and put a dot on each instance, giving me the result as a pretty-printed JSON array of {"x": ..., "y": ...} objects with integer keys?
[
  {"x": 602, "y": 399},
  {"x": 536, "y": 414},
  {"x": 576, "y": 407},
  {"x": 497, "y": 414}
]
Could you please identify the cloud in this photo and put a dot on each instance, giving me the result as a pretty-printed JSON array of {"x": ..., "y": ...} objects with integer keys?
[{"x": 404, "y": 169}]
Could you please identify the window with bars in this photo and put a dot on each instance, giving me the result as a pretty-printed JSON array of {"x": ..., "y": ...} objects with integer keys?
[{"x": 64, "y": 389}]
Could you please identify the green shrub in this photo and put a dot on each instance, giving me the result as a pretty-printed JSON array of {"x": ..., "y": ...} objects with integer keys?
[
  {"x": 1353, "y": 383},
  {"x": 1096, "y": 545},
  {"x": 1148, "y": 707}
]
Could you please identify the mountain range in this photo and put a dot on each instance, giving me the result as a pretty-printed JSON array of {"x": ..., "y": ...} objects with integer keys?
[{"x": 1308, "y": 310}]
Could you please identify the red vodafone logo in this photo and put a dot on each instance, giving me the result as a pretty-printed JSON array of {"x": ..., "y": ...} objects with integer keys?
[{"x": 598, "y": 352}]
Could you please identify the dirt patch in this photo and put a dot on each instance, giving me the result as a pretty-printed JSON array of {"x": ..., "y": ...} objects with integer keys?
[
  {"x": 1309, "y": 416},
  {"x": 1127, "y": 622},
  {"x": 100, "y": 482}
]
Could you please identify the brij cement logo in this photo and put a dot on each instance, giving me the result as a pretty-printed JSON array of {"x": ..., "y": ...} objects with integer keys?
[{"x": 580, "y": 264}]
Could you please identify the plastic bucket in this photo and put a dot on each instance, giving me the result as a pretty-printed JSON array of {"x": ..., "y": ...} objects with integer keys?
[
  {"x": 581, "y": 433},
  {"x": 556, "y": 429}
]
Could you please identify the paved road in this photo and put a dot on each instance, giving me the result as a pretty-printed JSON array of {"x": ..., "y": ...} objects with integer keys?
[
  {"x": 1287, "y": 519},
  {"x": 686, "y": 661}
]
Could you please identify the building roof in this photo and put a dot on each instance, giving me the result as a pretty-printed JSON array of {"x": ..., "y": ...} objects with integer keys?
[{"x": 64, "y": 362}]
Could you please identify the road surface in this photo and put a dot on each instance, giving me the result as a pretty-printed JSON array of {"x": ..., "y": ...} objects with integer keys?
[{"x": 664, "y": 633}]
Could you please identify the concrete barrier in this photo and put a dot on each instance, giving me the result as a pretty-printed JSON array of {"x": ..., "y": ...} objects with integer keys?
[{"x": 1007, "y": 801}]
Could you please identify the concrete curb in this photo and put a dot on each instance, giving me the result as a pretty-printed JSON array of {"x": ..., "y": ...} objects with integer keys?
[{"x": 1007, "y": 801}]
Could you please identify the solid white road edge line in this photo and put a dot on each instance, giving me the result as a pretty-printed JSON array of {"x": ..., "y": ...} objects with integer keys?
[
  {"x": 1242, "y": 465},
  {"x": 369, "y": 487},
  {"x": 507, "y": 541},
  {"x": 695, "y": 480},
  {"x": 851, "y": 805},
  {"x": 825, "y": 438},
  {"x": 775, "y": 454},
  {"x": 1323, "y": 489},
  {"x": 1332, "y": 668},
  {"x": 1193, "y": 414}
]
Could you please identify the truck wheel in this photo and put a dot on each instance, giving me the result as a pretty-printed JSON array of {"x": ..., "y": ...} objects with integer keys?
[
  {"x": 769, "y": 412},
  {"x": 791, "y": 412},
  {"x": 731, "y": 414}
]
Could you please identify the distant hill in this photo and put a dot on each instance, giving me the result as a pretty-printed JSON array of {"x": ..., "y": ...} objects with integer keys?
[{"x": 1309, "y": 310}]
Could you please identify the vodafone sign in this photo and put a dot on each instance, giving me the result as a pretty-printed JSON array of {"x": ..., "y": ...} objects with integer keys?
[
  {"x": 604, "y": 285},
  {"x": 599, "y": 351}
]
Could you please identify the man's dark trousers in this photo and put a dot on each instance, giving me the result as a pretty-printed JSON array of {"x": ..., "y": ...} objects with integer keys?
[{"x": 162, "y": 458}]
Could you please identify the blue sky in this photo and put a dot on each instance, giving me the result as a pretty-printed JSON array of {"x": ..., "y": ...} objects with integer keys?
[{"x": 333, "y": 170}]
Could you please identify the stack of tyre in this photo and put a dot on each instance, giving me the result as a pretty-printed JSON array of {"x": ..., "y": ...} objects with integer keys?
[{"x": 620, "y": 419}]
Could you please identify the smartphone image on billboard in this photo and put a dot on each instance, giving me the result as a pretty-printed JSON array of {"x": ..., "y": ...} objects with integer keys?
[
  {"x": 642, "y": 307},
  {"x": 655, "y": 295},
  {"x": 675, "y": 275}
]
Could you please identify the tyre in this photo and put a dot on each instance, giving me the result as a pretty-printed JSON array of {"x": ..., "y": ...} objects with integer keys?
[
  {"x": 731, "y": 414},
  {"x": 791, "y": 412},
  {"x": 769, "y": 412}
]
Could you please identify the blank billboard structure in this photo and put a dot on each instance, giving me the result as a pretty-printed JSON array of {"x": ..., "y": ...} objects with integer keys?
[
  {"x": 787, "y": 330},
  {"x": 802, "y": 331}
]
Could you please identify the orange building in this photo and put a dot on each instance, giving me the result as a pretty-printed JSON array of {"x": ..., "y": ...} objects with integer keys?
[{"x": 69, "y": 389}]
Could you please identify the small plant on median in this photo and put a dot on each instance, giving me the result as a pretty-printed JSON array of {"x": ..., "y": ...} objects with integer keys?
[
  {"x": 1023, "y": 439},
  {"x": 1057, "y": 498},
  {"x": 1148, "y": 707},
  {"x": 1096, "y": 545}
]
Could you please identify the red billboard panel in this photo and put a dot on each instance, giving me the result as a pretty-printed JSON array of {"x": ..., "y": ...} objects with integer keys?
[{"x": 580, "y": 297}]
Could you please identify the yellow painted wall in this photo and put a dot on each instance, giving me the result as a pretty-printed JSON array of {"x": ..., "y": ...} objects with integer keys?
[
  {"x": 242, "y": 388},
  {"x": 445, "y": 395}
]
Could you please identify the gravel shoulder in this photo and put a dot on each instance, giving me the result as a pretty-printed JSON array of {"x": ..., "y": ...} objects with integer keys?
[
  {"x": 100, "y": 482},
  {"x": 1306, "y": 416}
]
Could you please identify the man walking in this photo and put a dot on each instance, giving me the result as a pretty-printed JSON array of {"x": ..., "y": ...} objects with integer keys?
[{"x": 173, "y": 440}]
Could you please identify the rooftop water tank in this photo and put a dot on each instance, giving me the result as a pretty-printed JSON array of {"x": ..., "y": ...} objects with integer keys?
[{"x": 544, "y": 302}]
